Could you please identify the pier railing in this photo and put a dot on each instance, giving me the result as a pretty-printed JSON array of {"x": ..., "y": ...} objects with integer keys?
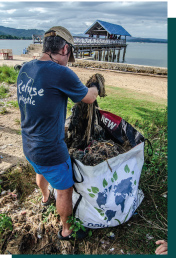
[
  {"x": 85, "y": 41},
  {"x": 80, "y": 41}
]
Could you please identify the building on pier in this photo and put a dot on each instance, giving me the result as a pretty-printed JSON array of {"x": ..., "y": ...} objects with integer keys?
[{"x": 104, "y": 39}]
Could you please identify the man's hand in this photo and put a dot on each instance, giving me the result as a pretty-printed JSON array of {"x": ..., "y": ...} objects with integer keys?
[
  {"x": 97, "y": 85},
  {"x": 162, "y": 249},
  {"x": 97, "y": 80}
]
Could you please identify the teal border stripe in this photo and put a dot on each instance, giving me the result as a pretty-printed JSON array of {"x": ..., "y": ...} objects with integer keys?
[{"x": 171, "y": 132}]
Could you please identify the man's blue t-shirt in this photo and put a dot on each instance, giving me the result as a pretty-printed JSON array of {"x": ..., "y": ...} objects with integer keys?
[{"x": 43, "y": 88}]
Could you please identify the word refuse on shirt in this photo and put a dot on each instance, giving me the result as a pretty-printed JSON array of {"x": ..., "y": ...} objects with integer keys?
[{"x": 27, "y": 91}]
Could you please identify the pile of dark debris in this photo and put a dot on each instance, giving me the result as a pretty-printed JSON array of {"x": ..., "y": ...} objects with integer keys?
[{"x": 86, "y": 140}]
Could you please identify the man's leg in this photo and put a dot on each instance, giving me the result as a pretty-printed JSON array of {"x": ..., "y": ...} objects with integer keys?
[
  {"x": 64, "y": 208},
  {"x": 43, "y": 185}
]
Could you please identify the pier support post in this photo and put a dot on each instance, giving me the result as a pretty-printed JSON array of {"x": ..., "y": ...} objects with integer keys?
[
  {"x": 114, "y": 55},
  {"x": 96, "y": 55},
  {"x": 118, "y": 56},
  {"x": 100, "y": 55},
  {"x": 124, "y": 52},
  {"x": 103, "y": 54},
  {"x": 107, "y": 54},
  {"x": 77, "y": 52}
]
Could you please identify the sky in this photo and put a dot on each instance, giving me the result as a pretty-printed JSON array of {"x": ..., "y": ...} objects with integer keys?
[{"x": 146, "y": 19}]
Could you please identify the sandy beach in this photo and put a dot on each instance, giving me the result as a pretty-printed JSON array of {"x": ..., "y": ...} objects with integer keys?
[{"x": 153, "y": 85}]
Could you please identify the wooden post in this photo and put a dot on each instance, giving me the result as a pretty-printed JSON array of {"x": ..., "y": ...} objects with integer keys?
[
  {"x": 77, "y": 51},
  {"x": 118, "y": 56},
  {"x": 106, "y": 57},
  {"x": 110, "y": 53},
  {"x": 124, "y": 51},
  {"x": 114, "y": 54},
  {"x": 96, "y": 55},
  {"x": 100, "y": 55},
  {"x": 103, "y": 54}
]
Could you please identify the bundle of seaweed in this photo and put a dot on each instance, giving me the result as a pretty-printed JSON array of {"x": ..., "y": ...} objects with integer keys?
[{"x": 84, "y": 117}]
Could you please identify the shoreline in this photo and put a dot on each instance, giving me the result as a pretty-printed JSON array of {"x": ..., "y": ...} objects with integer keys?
[
  {"x": 99, "y": 65},
  {"x": 121, "y": 67}
]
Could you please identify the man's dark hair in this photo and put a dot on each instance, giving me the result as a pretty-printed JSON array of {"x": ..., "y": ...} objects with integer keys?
[{"x": 53, "y": 44}]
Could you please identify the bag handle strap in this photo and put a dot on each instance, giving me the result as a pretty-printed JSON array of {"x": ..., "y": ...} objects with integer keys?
[
  {"x": 73, "y": 161},
  {"x": 149, "y": 145},
  {"x": 77, "y": 202}
]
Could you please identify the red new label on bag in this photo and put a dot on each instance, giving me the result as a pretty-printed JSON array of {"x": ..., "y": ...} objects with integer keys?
[{"x": 110, "y": 120}]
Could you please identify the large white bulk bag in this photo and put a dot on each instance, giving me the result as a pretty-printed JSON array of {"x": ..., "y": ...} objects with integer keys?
[
  {"x": 107, "y": 194},
  {"x": 109, "y": 191}
]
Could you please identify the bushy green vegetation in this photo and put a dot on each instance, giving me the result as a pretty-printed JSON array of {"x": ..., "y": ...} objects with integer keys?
[
  {"x": 13, "y": 37},
  {"x": 5, "y": 223},
  {"x": 8, "y": 74},
  {"x": 3, "y": 91}
]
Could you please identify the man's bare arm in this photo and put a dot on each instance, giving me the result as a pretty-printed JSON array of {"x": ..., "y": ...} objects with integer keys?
[{"x": 91, "y": 95}]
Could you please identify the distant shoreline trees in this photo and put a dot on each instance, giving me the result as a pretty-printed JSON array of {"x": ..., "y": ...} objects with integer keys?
[{"x": 14, "y": 37}]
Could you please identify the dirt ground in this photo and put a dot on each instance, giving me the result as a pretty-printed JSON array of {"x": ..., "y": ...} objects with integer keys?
[{"x": 27, "y": 216}]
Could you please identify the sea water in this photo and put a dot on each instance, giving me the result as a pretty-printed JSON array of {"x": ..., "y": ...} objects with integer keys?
[
  {"x": 150, "y": 54},
  {"x": 17, "y": 46}
]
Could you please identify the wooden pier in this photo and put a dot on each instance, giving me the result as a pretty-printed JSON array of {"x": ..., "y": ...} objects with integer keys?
[{"x": 103, "y": 48}]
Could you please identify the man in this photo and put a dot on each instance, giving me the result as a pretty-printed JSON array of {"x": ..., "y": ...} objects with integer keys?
[{"x": 43, "y": 87}]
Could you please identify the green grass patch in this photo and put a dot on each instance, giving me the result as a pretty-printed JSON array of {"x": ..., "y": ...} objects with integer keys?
[
  {"x": 8, "y": 74},
  {"x": 13, "y": 103},
  {"x": 130, "y": 105},
  {"x": 3, "y": 91}
]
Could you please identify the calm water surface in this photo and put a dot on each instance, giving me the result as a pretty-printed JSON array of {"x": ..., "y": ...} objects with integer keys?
[
  {"x": 17, "y": 46},
  {"x": 150, "y": 54}
]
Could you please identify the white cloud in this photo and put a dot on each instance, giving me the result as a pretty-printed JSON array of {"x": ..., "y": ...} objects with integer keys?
[
  {"x": 88, "y": 23},
  {"x": 8, "y": 20},
  {"x": 78, "y": 16},
  {"x": 38, "y": 9},
  {"x": 11, "y": 11}
]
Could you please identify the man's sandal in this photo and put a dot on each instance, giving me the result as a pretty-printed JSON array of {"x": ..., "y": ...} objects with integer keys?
[
  {"x": 80, "y": 234},
  {"x": 49, "y": 201}
]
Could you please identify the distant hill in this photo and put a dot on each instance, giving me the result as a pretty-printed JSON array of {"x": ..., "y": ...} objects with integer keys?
[{"x": 21, "y": 33}]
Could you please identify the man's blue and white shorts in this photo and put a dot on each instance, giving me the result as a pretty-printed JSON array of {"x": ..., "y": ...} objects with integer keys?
[{"x": 59, "y": 176}]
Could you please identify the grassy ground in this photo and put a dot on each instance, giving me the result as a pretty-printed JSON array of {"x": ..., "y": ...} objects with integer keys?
[
  {"x": 149, "y": 116},
  {"x": 8, "y": 74}
]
